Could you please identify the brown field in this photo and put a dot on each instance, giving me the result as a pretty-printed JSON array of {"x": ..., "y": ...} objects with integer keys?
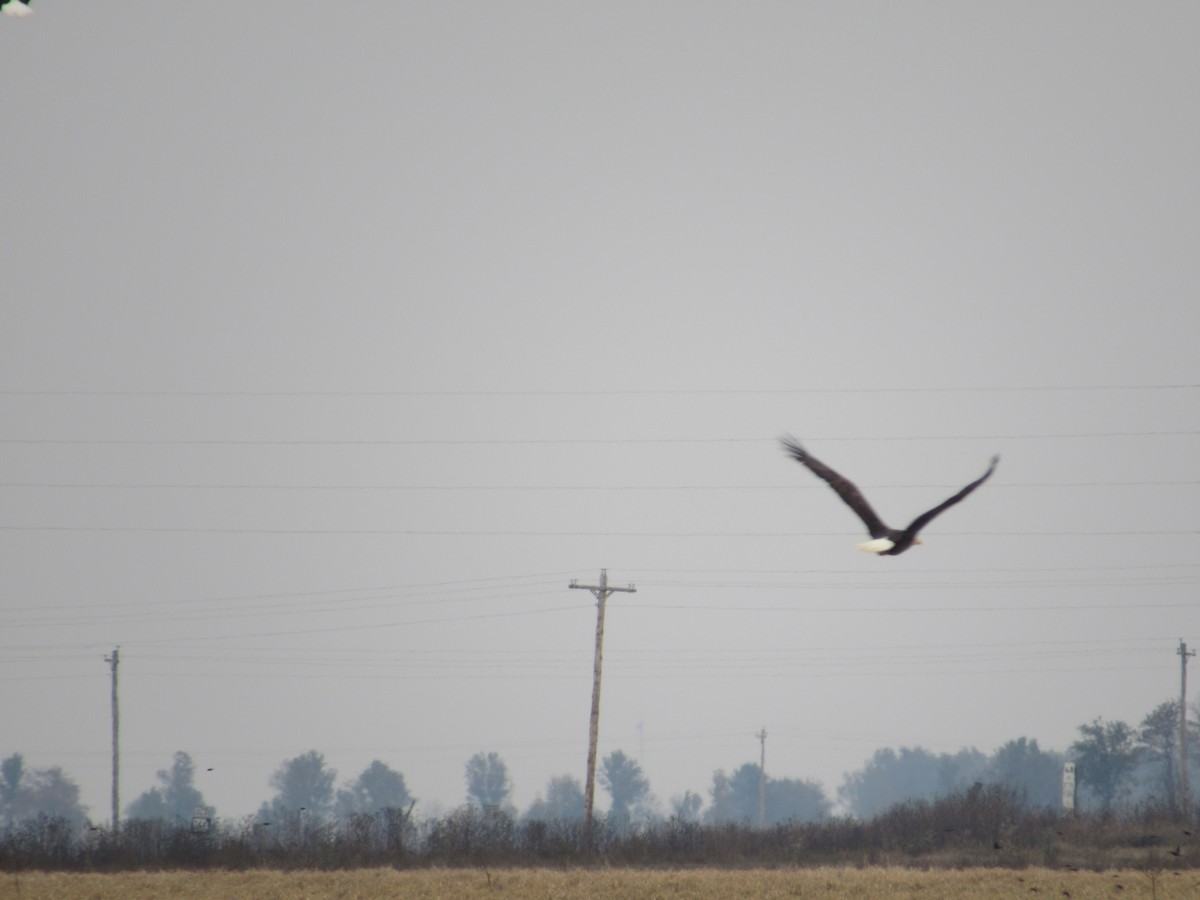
[{"x": 832, "y": 883}]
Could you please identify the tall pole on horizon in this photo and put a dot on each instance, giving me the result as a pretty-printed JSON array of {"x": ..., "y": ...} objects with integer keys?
[
  {"x": 600, "y": 592},
  {"x": 116, "y": 752},
  {"x": 1184, "y": 799},
  {"x": 762, "y": 779}
]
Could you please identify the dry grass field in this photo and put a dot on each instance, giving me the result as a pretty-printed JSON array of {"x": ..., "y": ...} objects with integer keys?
[{"x": 549, "y": 884}]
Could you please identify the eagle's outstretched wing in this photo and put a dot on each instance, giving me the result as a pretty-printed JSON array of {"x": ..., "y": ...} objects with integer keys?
[
  {"x": 926, "y": 517},
  {"x": 846, "y": 489}
]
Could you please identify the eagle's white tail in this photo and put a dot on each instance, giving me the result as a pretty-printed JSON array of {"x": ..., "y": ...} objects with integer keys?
[{"x": 879, "y": 545}]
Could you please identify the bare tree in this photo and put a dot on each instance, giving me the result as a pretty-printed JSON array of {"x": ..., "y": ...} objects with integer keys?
[
  {"x": 487, "y": 780},
  {"x": 622, "y": 777},
  {"x": 25, "y": 794},
  {"x": 379, "y": 787},
  {"x": 175, "y": 797},
  {"x": 1105, "y": 755},
  {"x": 563, "y": 803},
  {"x": 303, "y": 783},
  {"x": 1158, "y": 740}
]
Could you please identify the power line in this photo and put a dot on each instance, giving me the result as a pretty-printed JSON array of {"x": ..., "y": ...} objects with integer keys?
[
  {"x": 957, "y": 608},
  {"x": 417, "y": 532},
  {"x": 971, "y": 571},
  {"x": 889, "y": 668},
  {"x": 232, "y": 486},
  {"x": 607, "y": 393},
  {"x": 915, "y": 582},
  {"x": 185, "y": 611},
  {"x": 1123, "y": 642},
  {"x": 499, "y": 656},
  {"x": 372, "y": 626},
  {"x": 414, "y": 594},
  {"x": 230, "y": 608},
  {"x": 538, "y": 579},
  {"x": 87, "y": 616},
  {"x": 466, "y": 442}
]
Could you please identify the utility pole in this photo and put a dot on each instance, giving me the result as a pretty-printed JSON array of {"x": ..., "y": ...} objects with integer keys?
[
  {"x": 116, "y": 754},
  {"x": 762, "y": 779},
  {"x": 600, "y": 592},
  {"x": 1185, "y": 800}
]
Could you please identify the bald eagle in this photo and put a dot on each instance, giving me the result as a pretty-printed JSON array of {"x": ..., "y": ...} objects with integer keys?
[{"x": 884, "y": 541}]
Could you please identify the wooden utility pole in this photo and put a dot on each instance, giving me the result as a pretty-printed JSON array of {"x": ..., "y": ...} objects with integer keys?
[
  {"x": 1184, "y": 799},
  {"x": 762, "y": 779},
  {"x": 600, "y": 592},
  {"x": 116, "y": 753}
]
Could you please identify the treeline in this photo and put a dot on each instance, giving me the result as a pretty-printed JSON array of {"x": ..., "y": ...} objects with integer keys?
[
  {"x": 982, "y": 826},
  {"x": 1117, "y": 765}
]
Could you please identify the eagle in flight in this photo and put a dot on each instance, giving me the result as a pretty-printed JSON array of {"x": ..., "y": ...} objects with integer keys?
[{"x": 884, "y": 541}]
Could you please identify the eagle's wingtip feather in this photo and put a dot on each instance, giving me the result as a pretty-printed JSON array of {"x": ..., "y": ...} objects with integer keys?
[{"x": 792, "y": 446}]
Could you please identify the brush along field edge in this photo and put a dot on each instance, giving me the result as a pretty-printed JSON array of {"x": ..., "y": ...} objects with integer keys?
[{"x": 827, "y": 882}]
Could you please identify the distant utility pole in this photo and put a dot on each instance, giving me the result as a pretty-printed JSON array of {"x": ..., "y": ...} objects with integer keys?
[
  {"x": 1185, "y": 800},
  {"x": 113, "y": 661},
  {"x": 600, "y": 592},
  {"x": 762, "y": 779}
]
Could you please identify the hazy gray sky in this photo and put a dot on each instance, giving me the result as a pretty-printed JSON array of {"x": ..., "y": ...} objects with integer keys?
[{"x": 338, "y": 338}]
